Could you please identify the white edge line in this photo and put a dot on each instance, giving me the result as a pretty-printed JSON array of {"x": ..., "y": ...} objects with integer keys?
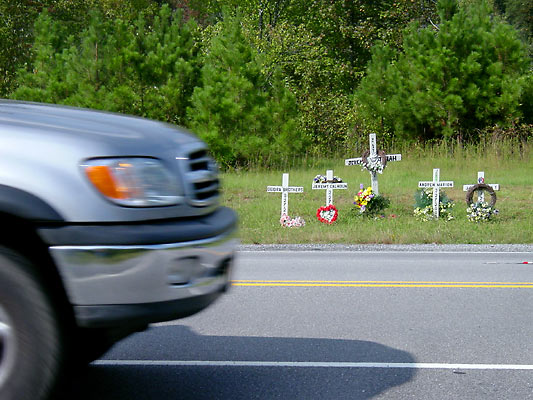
[
  {"x": 384, "y": 251},
  {"x": 298, "y": 364}
]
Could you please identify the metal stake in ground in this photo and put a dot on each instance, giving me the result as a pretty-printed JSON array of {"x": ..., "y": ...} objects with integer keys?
[
  {"x": 436, "y": 184},
  {"x": 481, "y": 181},
  {"x": 285, "y": 189},
  {"x": 329, "y": 186},
  {"x": 374, "y": 156}
]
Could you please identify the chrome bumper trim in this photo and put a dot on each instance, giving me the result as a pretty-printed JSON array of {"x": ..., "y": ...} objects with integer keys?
[{"x": 136, "y": 274}]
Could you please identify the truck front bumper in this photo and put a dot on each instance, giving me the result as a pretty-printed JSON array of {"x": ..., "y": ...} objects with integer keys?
[{"x": 114, "y": 284}]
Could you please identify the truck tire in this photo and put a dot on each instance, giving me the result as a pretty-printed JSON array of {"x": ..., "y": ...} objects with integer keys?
[{"x": 30, "y": 350}]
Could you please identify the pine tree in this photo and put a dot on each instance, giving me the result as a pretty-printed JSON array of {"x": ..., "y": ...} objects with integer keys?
[
  {"x": 39, "y": 83},
  {"x": 146, "y": 68},
  {"x": 237, "y": 110},
  {"x": 466, "y": 75}
]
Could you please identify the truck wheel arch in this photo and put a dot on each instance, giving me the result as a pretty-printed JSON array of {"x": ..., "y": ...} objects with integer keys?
[{"x": 27, "y": 206}]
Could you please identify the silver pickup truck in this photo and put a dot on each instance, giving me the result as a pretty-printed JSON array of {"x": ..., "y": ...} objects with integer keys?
[{"x": 109, "y": 223}]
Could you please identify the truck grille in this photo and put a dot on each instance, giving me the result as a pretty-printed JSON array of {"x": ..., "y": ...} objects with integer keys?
[{"x": 203, "y": 176}]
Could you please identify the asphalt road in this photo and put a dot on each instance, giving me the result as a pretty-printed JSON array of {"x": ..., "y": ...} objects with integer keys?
[{"x": 341, "y": 325}]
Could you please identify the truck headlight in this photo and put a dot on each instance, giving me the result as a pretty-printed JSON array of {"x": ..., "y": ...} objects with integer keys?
[{"x": 133, "y": 182}]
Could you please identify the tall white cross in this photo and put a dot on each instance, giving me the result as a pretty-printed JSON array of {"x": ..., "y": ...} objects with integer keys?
[
  {"x": 436, "y": 184},
  {"x": 285, "y": 189},
  {"x": 481, "y": 179},
  {"x": 329, "y": 186},
  {"x": 373, "y": 156}
]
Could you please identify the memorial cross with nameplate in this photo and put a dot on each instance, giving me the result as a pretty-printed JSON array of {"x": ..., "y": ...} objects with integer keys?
[
  {"x": 329, "y": 186},
  {"x": 436, "y": 184},
  {"x": 481, "y": 180},
  {"x": 285, "y": 189},
  {"x": 373, "y": 156}
]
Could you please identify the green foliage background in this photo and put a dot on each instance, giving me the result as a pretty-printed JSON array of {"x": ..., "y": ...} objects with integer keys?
[{"x": 278, "y": 79}]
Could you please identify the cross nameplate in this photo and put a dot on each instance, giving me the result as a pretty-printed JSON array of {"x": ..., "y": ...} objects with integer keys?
[
  {"x": 329, "y": 186},
  {"x": 436, "y": 184},
  {"x": 285, "y": 189}
]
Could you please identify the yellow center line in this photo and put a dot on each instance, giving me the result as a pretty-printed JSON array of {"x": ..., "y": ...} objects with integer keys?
[
  {"x": 421, "y": 284},
  {"x": 333, "y": 281}
]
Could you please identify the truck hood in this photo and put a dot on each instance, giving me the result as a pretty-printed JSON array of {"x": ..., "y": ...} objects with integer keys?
[{"x": 95, "y": 129}]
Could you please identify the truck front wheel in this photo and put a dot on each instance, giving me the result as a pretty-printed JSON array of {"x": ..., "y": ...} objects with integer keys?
[{"x": 30, "y": 346}]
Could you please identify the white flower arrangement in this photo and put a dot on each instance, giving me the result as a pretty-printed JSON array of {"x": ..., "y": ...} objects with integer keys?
[
  {"x": 373, "y": 164},
  {"x": 480, "y": 211},
  {"x": 323, "y": 179},
  {"x": 426, "y": 213},
  {"x": 289, "y": 222},
  {"x": 424, "y": 207}
]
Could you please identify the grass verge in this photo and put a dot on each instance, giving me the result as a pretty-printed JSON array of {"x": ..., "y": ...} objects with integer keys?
[{"x": 510, "y": 166}]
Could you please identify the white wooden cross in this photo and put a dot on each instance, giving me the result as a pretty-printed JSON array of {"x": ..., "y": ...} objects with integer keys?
[
  {"x": 436, "y": 184},
  {"x": 481, "y": 179},
  {"x": 373, "y": 156},
  {"x": 285, "y": 189},
  {"x": 329, "y": 186}
]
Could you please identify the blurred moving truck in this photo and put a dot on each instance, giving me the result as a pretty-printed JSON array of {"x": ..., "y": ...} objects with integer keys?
[{"x": 109, "y": 223}]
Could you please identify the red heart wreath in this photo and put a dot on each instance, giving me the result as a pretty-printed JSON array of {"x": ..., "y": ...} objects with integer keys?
[{"x": 328, "y": 214}]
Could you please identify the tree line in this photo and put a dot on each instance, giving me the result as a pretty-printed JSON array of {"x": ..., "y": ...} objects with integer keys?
[{"x": 260, "y": 80}]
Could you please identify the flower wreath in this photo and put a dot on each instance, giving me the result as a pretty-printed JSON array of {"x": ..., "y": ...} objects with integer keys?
[
  {"x": 480, "y": 187},
  {"x": 323, "y": 179},
  {"x": 374, "y": 164},
  {"x": 289, "y": 222},
  {"x": 327, "y": 214}
]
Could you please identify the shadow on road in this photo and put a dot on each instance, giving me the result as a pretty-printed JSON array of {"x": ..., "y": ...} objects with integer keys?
[{"x": 224, "y": 382}]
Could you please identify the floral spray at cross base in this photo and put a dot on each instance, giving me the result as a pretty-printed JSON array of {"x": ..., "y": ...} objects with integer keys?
[
  {"x": 363, "y": 197},
  {"x": 369, "y": 203}
]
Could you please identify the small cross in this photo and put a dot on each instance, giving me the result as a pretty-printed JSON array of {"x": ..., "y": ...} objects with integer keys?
[
  {"x": 329, "y": 186},
  {"x": 481, "y": 179},
  {"x": 373, "y": 156},
  {"x": 436, "y": 184},
  {"x": 285, "y": 189}
]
